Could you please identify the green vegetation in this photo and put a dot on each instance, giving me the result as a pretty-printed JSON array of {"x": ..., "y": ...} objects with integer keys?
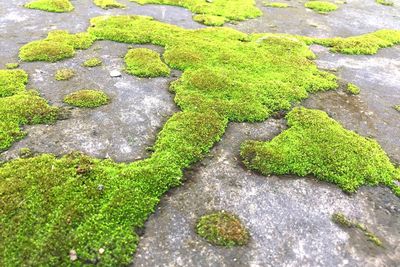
[
  {"x": 105, "y": 4},
  {"x": 64, "y": 74},
  {"x": 11, "y": 66},
  {"x": 228, "y": 10},
  {"x": 51, "y": 5},
  {"x": 92, "y": 62},
  {"x": 87, "y": 98},
  {"x": 222, "y": 229},
  {"x": 276, "y": 4},
  {"x": 385, "y": 2},
  {"x": 397, "y": 107},
  {"x": 321, "y": 7},
  {"x": 209, "y": 20},
  {"x": 366, "y": 44},
  {"x": 341, "y": 220},
  {"x": 144, "y": 62},
  {"x": 58, "y": 45},
  {"x": 19, "y": 107},
  {"x": 317, "y": 145},
  {"x": 353, "y": 89}
]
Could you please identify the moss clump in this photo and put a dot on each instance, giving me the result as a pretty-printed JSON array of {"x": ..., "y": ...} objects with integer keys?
[
  {"x": 321, "y": 7},
  {"x": 317, "y": 145},
  {"x": 366, "y": 44},
  {"x": 19, "y": 107},
  {"x": 58, "y": 45},
  {"x": 341, "y": 220},
  {"x": 51, "y": 5},
  {"x": 397, "y": 107},
  {"x": 276, "y": 4},
  {"x": 385, "y": 2},
  {"x": 64, "y": 74},
  {"x": 222, "y": 229},
  {"x": 209, "y": 20},
  {"x": 87, "y": 98},
  {"x": 12, "y": 82},
  {"x": 353, "y": 89},
  {"x": 229, "y": 10},
  {"x": 106, "y": 4},
  {"x": 11, "y": 66},
  {"x": 92, "y": 62},
  {"x": 143, "y": 62}
]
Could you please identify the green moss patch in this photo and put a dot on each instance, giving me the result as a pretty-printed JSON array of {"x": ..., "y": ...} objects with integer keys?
[
  {"x": 19, "y": 107},
  {"x": 64, "y": 74},
  {"x": 341, "y": 220},
  {"x": 87, "y": 98},
  {"x": 51, "y": 5},
  {"x": 209, "y": 20},
  {"x": 92, "y": 62},
  {"x": 276, "y": 4},
  {"x": 228, "y": 10},
  {"x": 321, "y": 7},
  {"x": 143, "y": 62},
  {"x": 385, "y": 2},
  {"x": 317, "y": 145},
  {"x": 106, "y": 4},
  {"x": 11, "y": 66},
  {"x": 222, "y": 229},
  {"x": 353, "y": 89},
  {"x": 397, "y": 107},
  {"x": 58, "y": 45}
]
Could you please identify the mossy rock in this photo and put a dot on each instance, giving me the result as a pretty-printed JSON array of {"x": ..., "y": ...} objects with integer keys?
[
  {"x": 144, "y": 62},
  {"x": 58, "y": 6},
  {"x": 222, "y": 229},
  {"x": 92, "y": 62},
  {"x": 87, "y": 98},
  {"x": 64, "y": 74}
]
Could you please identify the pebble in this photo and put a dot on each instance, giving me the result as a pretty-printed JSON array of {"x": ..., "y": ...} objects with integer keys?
[
  {"x": 115, "y": 73},
  {"x": 72, "y": 255}
]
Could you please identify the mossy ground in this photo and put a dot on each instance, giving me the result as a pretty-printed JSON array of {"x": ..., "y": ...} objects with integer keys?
[
  {"x": 19, "y": 106},
  {"x": 87, "y": 98},
  {"x": 276, "y": 4},
  {"x": 64, "y": 74},
  {"x": 106, "y": 4},
  {"x": 317, "y": 145},
  {"x": 341, "y": 220},
  {"x": 222, "y": 229},
  {"x": 90, "y": 204},
  {"x": 321, "y": 7},
  {"x": 92, "y": 62},
  {"x": 144, "y": 62},
  {"x": 51, "y": 5},
  {"x": 353, "y": 89}
]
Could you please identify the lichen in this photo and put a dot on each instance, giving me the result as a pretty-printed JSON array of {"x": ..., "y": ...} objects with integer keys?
[
  {"x": 353, "y": 89},
  {"x": 51, "y": 5},
  {"x": 106, "y": 4},
  {"x": 229, "y": 10},
  {"x": 144, "y": 62},
  {"x": 92, "y": 62},
  {"x": 321, "y": 7},
  {"x": 317, "y": 145},
  {"x": 12, "y": 65},
  {"x": 385, "y": 2},
  {"x": 87, "y": 98},
  {"x": 209, "y": 20},
  {"x": 222, "y": 229},
  {"x": 341, "y": 220},
  {"x": 64, "y": 74},
  {"x": 276, "y": 4}
]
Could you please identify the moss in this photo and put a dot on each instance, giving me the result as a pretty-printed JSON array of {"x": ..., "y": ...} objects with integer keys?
[
  {"x": 11, "y": 66},
  {"x": 353, "y": 89},
  {"x": 92, "y": 62},
  {"x": 143, "y": 62},
  {"x": 87, "y": 98},
  {"x": 367, "y": 44},
  {"x": 209, "y": 20},
  {"x": 106, "y": 4},
  {"x": 343, "y": 221},
  {"x": 12, "y": 82},
  {"x": 25, "y": 152},
  {"x": 321, "y": 7},
  {"x": 385, "y": 2},
  {"x": 51, "y": 5},
  {"x": 317, "y": 145},
  {"x": 64, "y": 74},
  {"x": 227, "y": 10},
  {"x": 276, "y": 4},
  {"x": 222, "y": 229},
  {"x": 397, "y": 107},
  {"x": 58, "y": 45}
]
